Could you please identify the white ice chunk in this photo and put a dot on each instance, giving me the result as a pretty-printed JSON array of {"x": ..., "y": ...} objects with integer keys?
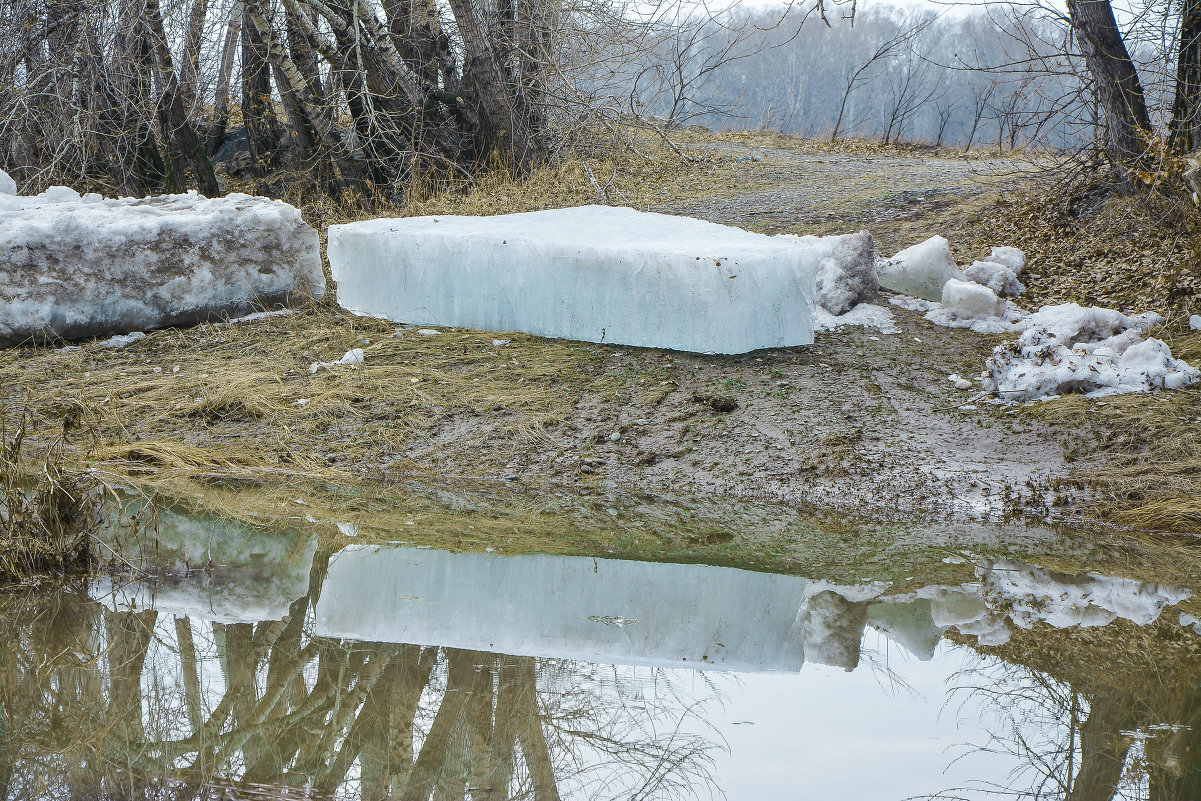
[
  {"x": 1194, "y": 322},
  {"x": 846, "y": 269},
  {"x": 997, "y": 277},
  {"x": 1012, "y": 258},
  {"x": 968, "y": 300},
  {"x": 867, "y": 315},
  {"x": 7, "y": 185},
  {"x": 72, "y": 267},
  {"x": 1069, "y": 348},
  {"x": 921, "y": 270},
  {"x": 592, "y": 273},
  {"x": 119, "y": 341}
]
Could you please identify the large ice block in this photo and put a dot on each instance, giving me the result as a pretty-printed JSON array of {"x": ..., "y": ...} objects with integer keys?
[
  {"x": 592, "y": 273},
  {"x": 74, "y": 266}
]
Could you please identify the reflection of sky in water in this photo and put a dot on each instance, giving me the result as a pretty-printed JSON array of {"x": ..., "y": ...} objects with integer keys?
[{"x": 840, "y": 691}]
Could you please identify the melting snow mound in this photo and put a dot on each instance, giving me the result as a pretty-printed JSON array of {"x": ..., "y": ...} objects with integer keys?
[
  {"x": 997, "y": 277},
  {"x": 73, "y": 266},
  {"x": 846, "y": 269},
  {"x": 921, "y": 270},
  {"x": 1093, "y": 351},
  {"x": 591, "y": 273}
]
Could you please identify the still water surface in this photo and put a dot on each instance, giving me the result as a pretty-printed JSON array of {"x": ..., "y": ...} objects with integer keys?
[{"x": 255, "y": 667}]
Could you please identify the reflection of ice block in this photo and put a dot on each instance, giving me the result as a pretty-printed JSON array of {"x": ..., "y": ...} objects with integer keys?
[
  {"x": 909, "y": 625},
  {"x": 834, "y": 629},
  {"x": 245, "y": 593},
  {"x": 600, "y": 610},
  {"x": 592, "y": 273}
]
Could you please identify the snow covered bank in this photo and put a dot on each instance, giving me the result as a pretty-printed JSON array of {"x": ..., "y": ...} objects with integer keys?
[
  {"x": 74, "y": 266},
  {"x": 592, "y": 273},
  {"x": 1093, "y": 351}
]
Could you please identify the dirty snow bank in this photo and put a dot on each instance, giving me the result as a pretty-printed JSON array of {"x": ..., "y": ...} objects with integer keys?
[
  {"x": 1093, "y": 351},
  {"x": 74, "y": 266}
]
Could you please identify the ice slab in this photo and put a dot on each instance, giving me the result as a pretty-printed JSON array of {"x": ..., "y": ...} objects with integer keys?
[
  {"x": 602, "y": 610},
  {"x": 73, "y": 266},
  {"x": 591, "y": 273},
  {"x": 920, "y": 270}
]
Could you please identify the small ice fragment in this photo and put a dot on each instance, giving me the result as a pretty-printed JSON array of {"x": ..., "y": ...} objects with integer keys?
[
  {"x": 1194, "y": 322},
  {"x": 1012, "y": 258},
  {"x": 997, "y": 277},
  {"x": 121, "y": 340},
  {"x": 490, "y": 549},
  {"x": 348, "y": 529},
  {"x": 353, "y": 357},
  {"x": 428, "y": 332},
  {"x": 301, "y": 402},
  {"x": 500, "y": 343},
  {"x": 7, "y": 185}
]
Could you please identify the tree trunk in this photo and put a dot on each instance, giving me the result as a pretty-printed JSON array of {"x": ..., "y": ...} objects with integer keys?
[
  {"x": 220, "y": 123},
  {"x": 1116, "y": 84},
  {"x": 1186, "y": 110},
  {"x": 258, "y": 113},
  {"x": 184, "y": 146}
]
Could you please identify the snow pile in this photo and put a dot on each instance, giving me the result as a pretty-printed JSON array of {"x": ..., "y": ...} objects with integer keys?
[
  {"x": 1094, "y": 351},
  {"x": 997, "y": 277},
  {"x": 960, "y": 314},
  {"x": 921, "y": 270},
  {"x": 74, "y": 266},
  {"x": 868, "y": 315},
  {"x": 846, "y": 270},
  {"x": 591, "y": 273},
  {"x": 7, "y": 185}
]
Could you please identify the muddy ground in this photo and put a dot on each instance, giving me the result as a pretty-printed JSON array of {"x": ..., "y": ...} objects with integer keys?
[{"x": 861, "y": 421}]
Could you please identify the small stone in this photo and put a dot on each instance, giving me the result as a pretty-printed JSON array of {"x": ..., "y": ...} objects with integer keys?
[
  {"x": 615, "y": 436},
  {"x": 157, "y": 370},
  {"x": 963, "y": 383},
  {"x": 641, "y": 422}
]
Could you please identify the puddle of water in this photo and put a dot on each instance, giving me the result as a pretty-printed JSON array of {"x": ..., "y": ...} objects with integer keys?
[{"x": 262, "y": 668}]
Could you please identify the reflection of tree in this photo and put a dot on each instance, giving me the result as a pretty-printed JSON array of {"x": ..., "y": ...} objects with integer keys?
[
  {"x": 120, "y": 705},
  {"x": 1088, "y": 718}
]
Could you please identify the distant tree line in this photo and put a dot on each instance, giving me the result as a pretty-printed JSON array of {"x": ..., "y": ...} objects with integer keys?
[{"x": 1123, "y": 85}]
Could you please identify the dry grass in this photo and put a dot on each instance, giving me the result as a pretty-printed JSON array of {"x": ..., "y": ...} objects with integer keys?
[
  {"x": 1139, "y": 455},
  {"x": 49, "y": 512},
  {"x": 241, "y": 400}
]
